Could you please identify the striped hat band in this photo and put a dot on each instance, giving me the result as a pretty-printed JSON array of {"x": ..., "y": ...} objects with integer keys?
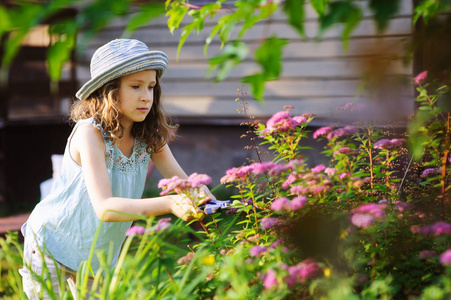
[{"x": 118, "y": 58}]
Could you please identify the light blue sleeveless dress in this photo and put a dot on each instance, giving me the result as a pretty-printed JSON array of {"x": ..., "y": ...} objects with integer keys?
[{"x": 65, "y": 224}]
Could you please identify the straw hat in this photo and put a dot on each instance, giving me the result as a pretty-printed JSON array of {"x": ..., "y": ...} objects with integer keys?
[{"x": 118, "y": 58}]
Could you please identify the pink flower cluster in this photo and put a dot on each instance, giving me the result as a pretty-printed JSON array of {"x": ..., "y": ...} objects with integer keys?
[
  {"x": 420, "y": 77},
  {"x": 402, "y": 206},
  {"x": 431, "y": 171},
  {"x": 337, "y": 133},
  {"x": 313, "y": 183},
  {"x": 241, "y": 173},
  {"x": 161, "y": 226},
  {"x": 268, "y": 223},
  {"x": 425, "y": 254},
  {"x": 330, "y": 171},
  {"x": 256, "y": 251},
  {"x": 365, "y": 215},
  {"x": 277, "y": 243},
  {"x": 244, "y": 172},
  {"x": 289, "y": 181},
  {"x": 318, "y": 168},
  {"x": 438, "y": 228},
  {"x": 346, "y": 150},
  {"x": 283, "y": 122},
  {"x": 341, "y": 132},
  {"x": 298, "y": 273},
  {"x": 344, "y": 175},
  {"x": 371, "y": 208},
  {"x": 284, "y": 204},
  {"x": 322, "y": 131},
  {"x": 179, "y": 185},
  {"x": 389, "y": 144},
  {"x": 445, "y": 257},
  {"x": 135, "y": 230}
]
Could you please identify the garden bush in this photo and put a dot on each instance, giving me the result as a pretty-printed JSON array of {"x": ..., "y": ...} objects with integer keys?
[{"x": 371, "y": 223}]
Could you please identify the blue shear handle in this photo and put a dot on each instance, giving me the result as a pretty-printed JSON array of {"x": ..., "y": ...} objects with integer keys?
[{"x": 214, "y": 206}]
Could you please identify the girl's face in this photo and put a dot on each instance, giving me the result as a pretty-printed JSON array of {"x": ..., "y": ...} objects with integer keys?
[{"x": 136, "y": 96}]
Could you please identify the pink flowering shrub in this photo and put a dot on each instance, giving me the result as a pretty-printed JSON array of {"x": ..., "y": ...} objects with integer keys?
[
  {"x": 360, "y": 200},
  {"x": 368, "y": 220}
]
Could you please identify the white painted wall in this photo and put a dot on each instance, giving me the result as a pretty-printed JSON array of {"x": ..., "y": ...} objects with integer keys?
[{"x": 317, "y": 77}]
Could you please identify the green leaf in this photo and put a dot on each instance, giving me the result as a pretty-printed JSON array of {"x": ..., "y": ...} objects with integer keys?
[
  {"x": 5, "y": 22},
  {"x": 227, "y": 24},
  {"x": 417, "y": 137},
  {"x": 295, "y": 11},
  {"x": 319, "y": 6},
  {"x": 167, "y": 3},
  {"x": 95, "y": 16},
  {"x": 342, "y": 12},
  {"x": 144, "y": 16},
  {"x": 185, "y": 33},
  {"x": 269, "y": 56},
  {"x": 60, "y": 51},
  {"x": 257, "y": 83},
  {"x": 428, "y": 9},
  {"x": 176, "y": 15},
  {"x": 233, "y": 54},
  {"x": 384, "y": 10}
]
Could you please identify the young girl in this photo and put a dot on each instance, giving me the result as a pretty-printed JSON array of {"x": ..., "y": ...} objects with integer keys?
[{"x": 119, "y": 127}]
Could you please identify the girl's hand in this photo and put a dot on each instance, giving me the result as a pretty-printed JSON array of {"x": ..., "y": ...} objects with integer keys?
[
  {"x": 204, "y": 193},
  {"x": 183, "y": 208}
]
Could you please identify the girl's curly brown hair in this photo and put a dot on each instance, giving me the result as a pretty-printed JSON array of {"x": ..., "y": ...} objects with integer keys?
[{"x": 103, "y": 106}]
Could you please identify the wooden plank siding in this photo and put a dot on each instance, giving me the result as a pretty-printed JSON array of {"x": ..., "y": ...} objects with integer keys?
[{"x": 317, "y": 76}]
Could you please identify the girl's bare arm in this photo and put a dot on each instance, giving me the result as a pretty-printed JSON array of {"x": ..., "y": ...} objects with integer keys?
[
  {"x": 166, "y": 163},
  {"x": 88, "y": 150}
]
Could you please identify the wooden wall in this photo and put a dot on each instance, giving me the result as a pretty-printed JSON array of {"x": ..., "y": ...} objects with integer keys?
[{"x": 317, "y": 77}]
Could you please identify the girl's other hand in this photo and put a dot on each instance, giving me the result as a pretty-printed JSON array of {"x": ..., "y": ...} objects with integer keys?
[{"x": 183, "y": 208}]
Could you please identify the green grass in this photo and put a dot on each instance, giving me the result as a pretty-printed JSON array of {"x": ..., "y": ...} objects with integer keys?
[{"x": 10, "y": 262}]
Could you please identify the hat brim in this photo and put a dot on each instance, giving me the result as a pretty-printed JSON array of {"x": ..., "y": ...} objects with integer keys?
[{"x": 152, "y": 60}]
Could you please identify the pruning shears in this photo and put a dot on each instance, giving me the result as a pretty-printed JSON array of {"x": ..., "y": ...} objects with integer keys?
[{"x": 214, "y": 206}]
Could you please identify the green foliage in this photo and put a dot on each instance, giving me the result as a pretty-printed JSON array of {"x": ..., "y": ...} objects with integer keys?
[
  {"x": 429, "y": 9},
  {"x": 144, "y": 16},
  {"x": 346, "y": 229},
  {"x": 10, "y": 261},
  {"x": 319, "y": 6},
  {"x": 233, "y": 54},
  {"x": 198, "y": 19},
  {"x": 383, "y": 11},
  {"x": 176, "y": 13},
  {"x": 257, "y": 83},
  {"x": 294, "y": 9},
  {"x": 269, "y": 57},
  {"x": 17, "y": 22},
  {"x": 64, "y": 37},
  {"x": 240, "y": 256},
  {"x": 232, "y": 23},
  {"x": 341, "y": 12},
  {"x": 428, "y": 129}
]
